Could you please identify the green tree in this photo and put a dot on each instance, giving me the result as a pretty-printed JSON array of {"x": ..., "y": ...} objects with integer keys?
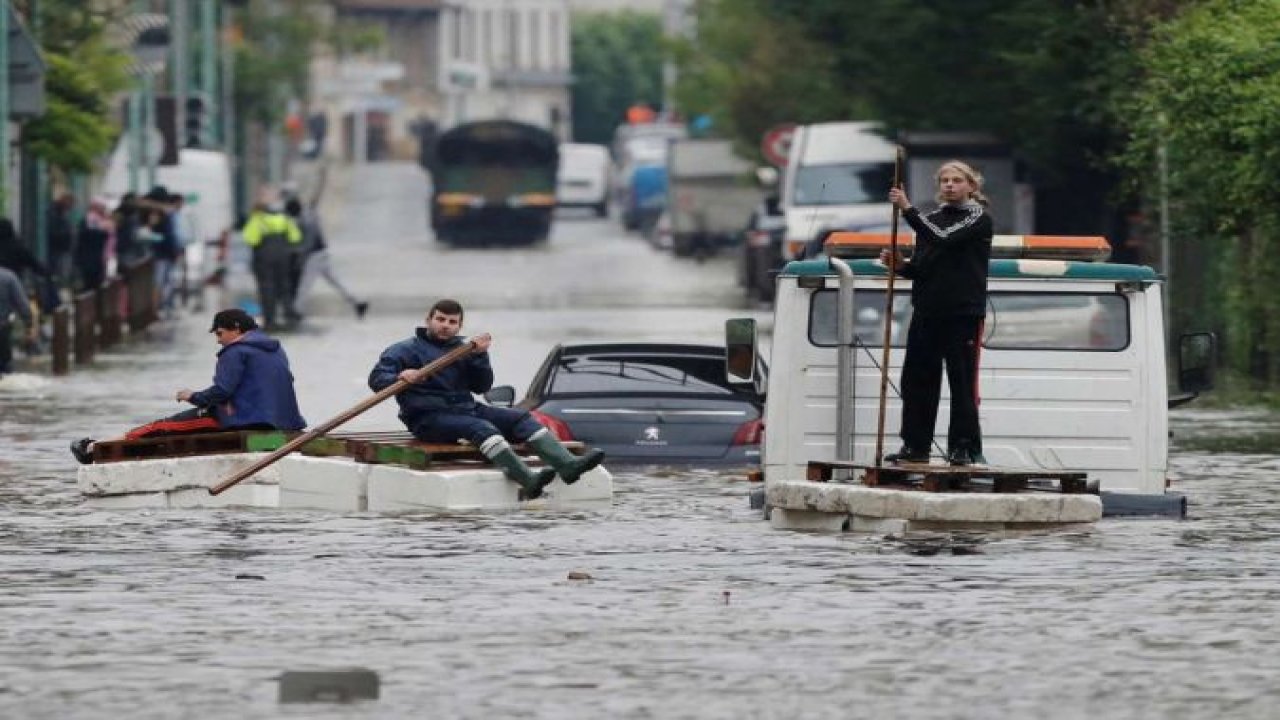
[
  {"x": 84, "y": 74},
  {"x": 617, "y": 62},
  {"x": 750, "y": 71},
  {"x": 1208, "y": 101}
]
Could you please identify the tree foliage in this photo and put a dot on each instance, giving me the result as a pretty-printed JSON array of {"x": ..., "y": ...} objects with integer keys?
[
  {"x": 273, "y": 57},
  {"x": 83, "y": 75},
  {"x": 617, "y": 62},
  {"x": 1209, "y": 99}
]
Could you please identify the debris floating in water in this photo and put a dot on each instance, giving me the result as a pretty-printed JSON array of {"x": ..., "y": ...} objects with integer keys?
[{"x": 579, "y": 575}]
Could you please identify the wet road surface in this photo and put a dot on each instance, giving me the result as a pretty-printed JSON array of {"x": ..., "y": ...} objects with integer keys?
[{"x": 695, "y": 608}]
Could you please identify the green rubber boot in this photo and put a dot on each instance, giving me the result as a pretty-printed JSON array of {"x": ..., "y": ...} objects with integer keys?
[
  {"x": 568, "y": 466},
  {"x": 531, "y": 482}
]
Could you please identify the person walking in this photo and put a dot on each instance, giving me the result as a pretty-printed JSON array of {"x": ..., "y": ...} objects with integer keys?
[
  {"x": 948, "y": 271},
  {"x": 275, "y": 240},
  {"x": 316, "y": 262},
  {"x": 13, "y": 301},
  {"x": 441, "y": 408},
  {"x": 252, "y": 389}
]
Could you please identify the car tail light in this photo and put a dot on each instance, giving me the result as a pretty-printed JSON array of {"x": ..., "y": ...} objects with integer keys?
[
  {"x": 558, "y": 427},
  {"x": 757, "y": 238},
  {"x": 749, "y": 433}
]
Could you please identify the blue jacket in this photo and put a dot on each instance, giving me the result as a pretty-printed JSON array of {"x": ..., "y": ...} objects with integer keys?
[
  {"x": 252, "y": 385},
  {"x": 449, "y": 389}
]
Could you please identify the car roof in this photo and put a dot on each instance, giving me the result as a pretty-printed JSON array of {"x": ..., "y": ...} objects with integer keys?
[{"x": 654, "y": 348}]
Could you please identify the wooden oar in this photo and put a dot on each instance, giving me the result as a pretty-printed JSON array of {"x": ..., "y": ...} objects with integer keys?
[
  {"x": 888, "y": 308},
  {"x": 393, "y": 389}
]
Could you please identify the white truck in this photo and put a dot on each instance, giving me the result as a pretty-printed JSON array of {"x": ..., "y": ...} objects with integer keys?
[
  {"x": 838, "y": 176},
  {"x": 711, "y": 193},
  {"x": 1072, "y": 374}
]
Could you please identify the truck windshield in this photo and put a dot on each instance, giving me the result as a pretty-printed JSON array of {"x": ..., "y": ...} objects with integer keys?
[
  {"x": 844, "y": 184},
  {"x": 1015, "y": 320}
]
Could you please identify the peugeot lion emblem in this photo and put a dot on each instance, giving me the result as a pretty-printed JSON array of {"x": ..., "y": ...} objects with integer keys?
[{"x": 651, "y": 434}]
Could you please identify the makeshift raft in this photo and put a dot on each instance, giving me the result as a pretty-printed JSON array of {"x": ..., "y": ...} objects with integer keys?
[
  {"x": 901, "y": 498},
  {"x": 352, "y": 472}
]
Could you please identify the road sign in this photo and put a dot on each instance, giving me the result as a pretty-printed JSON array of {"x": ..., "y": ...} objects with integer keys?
[{"x": 776, "y": 143}]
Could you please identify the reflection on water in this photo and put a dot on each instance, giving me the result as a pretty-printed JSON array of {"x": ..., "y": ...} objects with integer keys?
[{"x": 694, "y": 607}]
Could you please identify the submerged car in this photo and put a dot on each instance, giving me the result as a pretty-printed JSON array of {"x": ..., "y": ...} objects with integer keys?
[{"x": 647, "y": 403}]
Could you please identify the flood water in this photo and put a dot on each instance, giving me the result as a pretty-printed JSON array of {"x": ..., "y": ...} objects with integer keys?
[{"x": 694, "y": 608}]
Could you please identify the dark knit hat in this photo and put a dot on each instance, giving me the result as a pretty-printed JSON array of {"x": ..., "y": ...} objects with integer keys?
[{"x": 234, "y": 319}]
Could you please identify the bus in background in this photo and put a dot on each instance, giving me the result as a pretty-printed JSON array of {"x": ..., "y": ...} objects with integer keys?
[{"x": 494, "y": 181}]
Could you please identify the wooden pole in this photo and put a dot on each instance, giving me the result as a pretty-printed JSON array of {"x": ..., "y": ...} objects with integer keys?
[
  {"x": 888, "y": 310},
  {"x": 393, "y": 389}
]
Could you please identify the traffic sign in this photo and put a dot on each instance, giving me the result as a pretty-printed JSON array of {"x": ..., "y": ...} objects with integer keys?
[{"x": 776, "y": 143}]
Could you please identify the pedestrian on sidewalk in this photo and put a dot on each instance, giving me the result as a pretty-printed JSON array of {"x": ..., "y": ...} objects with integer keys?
[
  {"x": 93, "y": 240},
  {"x": 948, "y": 271},
  {"x": 316, "y": 262},
  {"x": 61, "y": 232},
  {"x": 441, "y": 408},
  {"x": 252, "y": 389},
  {"x": 13, "y": 301},
  {"x": 275, "y": 240}
]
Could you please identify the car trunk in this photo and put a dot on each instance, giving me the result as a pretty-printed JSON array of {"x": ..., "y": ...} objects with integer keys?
[{"x": 657, "y": 429}]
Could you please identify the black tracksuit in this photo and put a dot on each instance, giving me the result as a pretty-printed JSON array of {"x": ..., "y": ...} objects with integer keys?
[{"x": 948, "y": 271}]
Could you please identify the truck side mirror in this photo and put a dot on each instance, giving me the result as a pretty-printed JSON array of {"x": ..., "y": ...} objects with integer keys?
[
  {"x": 740, "y": 350},
  {"x": 501, "y": 396},
  {"x": 1196, "y": 353}
]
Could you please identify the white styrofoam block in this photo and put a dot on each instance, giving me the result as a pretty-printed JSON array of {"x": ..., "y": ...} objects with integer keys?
[
  {"x": 597, "y": 484},
  {"x": 783, "y": 519},
  {"x": 913, "y": 505},
  {"x": 395, "y": 489},
  {"x": 251, "y": 495},
  {"x": 132, "y": 501},
  {"x": 164, "y": 474},
  {"x": 321, "y": 483}
]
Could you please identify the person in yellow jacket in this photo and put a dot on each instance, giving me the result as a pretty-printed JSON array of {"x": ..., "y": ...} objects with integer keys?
[{"x": 276, "y": 242}]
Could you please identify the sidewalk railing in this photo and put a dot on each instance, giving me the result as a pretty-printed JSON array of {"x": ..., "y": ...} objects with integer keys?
[{"x": 96, "y": 319}]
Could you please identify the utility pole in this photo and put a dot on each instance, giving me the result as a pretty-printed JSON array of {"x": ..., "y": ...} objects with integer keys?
[
  {"x": 179, "y": 58},
  {"x": 208, "y": 79},
  {"x": 5, "y": 205}
]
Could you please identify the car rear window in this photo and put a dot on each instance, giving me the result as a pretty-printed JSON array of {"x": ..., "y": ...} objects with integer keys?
[{"x": 612, "y": 374}]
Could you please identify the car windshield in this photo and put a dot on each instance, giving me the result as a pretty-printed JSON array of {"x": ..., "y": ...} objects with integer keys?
[
  {"x": 617, "y": 374},
  {"x": 844, "y": 184}
]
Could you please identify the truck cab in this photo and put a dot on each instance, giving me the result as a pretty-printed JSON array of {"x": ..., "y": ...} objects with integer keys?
[{"x": 1072, "y": 373}]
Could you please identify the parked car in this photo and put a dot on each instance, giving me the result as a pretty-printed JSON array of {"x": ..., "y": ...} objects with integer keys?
[
  {"x": 659, "y": 403},
  {"x": 760, "y": 256}
]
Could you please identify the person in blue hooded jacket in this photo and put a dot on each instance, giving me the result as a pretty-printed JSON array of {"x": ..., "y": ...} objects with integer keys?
[
  {"x": 252, "y": 389},
  {"x": 441, "y": 409}
]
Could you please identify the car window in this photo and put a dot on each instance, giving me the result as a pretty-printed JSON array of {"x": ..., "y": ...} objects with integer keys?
[
  {"x": 1015, "y": 320},
  {"x": 610, "y": 374},
  {"x": 844, "y": 184}
]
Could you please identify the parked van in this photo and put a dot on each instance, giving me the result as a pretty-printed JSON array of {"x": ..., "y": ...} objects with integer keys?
[
  {"x": 583, "y": 180},
  {"x": 838, "y": 176}
]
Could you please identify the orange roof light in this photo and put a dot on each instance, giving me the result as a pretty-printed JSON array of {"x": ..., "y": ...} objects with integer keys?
[{"x": 1048, "y": 247}]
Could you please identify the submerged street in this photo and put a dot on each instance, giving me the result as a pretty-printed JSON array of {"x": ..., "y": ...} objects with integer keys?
[{"x": 694, "y": 606}]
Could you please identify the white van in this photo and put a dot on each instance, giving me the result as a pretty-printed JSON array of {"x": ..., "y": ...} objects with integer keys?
[
  {"x": 203, "y": 178},
  {"x": 838, "y": 177},
  {"x": 583, "y": 179}
]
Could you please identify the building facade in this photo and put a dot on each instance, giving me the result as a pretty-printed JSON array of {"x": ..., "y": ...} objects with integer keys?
[{"x": 444, "y": 62}]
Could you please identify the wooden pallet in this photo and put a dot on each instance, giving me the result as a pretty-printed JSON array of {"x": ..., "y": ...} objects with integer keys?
[
  {"x": 948, "y": 478},
  {"x": 419, "y": 455},
  {"x": 188, "y": 444},
  {"x": 392, "y": 447}
]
